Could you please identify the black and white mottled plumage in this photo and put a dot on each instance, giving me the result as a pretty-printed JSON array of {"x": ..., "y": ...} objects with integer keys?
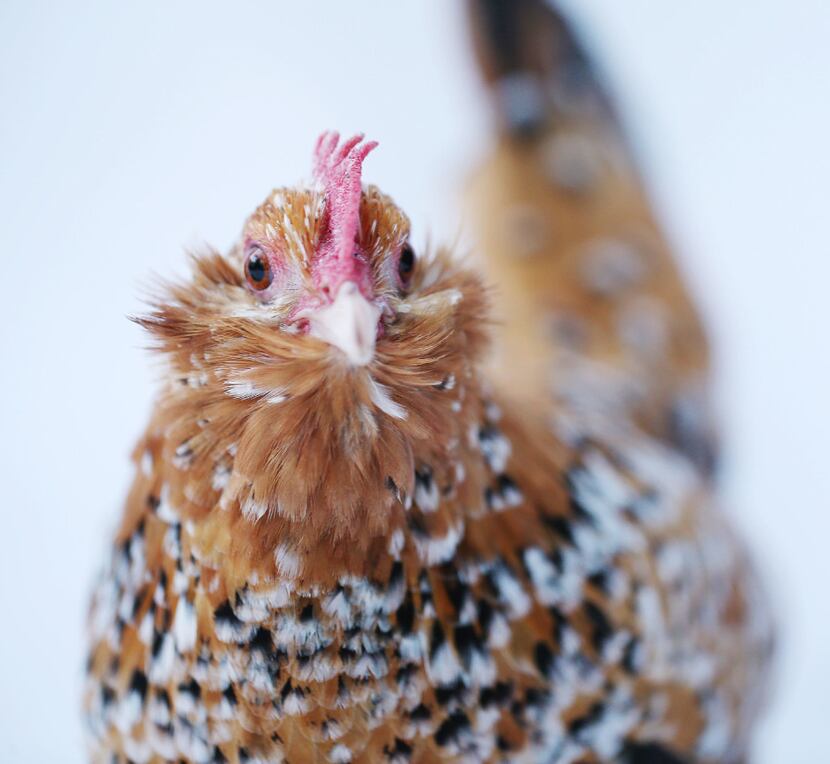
[{"x": 325, "y": 558}]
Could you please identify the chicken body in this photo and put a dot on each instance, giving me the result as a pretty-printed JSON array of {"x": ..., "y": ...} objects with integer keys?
[{"x": 325, "y": 558}]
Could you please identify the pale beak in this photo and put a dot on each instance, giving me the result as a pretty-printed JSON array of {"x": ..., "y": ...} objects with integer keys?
[{"x": 350, "y": 323}]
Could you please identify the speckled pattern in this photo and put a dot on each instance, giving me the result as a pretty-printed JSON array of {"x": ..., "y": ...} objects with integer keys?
[
  {"x": 616, "y": 608},
  {"x": 529, "y": 570}
]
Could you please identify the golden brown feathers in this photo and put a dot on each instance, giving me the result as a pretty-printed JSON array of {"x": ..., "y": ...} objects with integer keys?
[{"x": 322, "y": 452}]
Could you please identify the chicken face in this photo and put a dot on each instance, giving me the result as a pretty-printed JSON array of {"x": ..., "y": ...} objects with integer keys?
[
  {"x": 310, "y": 363},
  {"x": 331, "y": 262}
]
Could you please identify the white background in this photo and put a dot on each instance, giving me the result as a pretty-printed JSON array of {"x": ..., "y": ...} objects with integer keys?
[{"x": 128, "y": 133}]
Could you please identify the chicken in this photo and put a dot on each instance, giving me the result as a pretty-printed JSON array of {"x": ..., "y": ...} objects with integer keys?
[{"x": 343, "y": 544}]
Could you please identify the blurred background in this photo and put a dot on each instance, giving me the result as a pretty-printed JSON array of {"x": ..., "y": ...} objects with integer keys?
[{"x": 129, "y": 133}]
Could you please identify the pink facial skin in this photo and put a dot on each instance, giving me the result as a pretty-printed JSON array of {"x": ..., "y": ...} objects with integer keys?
[{"x": 339, "y": 259}]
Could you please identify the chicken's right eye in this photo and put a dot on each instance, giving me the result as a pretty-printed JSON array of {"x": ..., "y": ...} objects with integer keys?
[{"x": 258, "y": 271}]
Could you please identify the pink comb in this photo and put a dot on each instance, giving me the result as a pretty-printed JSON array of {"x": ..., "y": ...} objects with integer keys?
[{"x": 338, "y": 169}]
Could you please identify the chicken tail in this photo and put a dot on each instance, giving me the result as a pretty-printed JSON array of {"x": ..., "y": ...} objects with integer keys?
[
  {"x": 594, "y": 314},
  {"x": 533, "y": 62}
]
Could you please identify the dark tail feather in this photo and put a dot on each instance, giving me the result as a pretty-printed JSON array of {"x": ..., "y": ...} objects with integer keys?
[{"x": 534, "y": 63}]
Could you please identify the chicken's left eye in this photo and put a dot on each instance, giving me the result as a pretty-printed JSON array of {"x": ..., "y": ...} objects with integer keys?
[
  {"x": 406, "y": 265},
  {"x": 258, "y": 269}
]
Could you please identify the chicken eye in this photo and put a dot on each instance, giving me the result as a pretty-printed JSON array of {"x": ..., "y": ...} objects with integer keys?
[
  {"x": 258, "y": 269},
  {"x": 406, "y": 265}
]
